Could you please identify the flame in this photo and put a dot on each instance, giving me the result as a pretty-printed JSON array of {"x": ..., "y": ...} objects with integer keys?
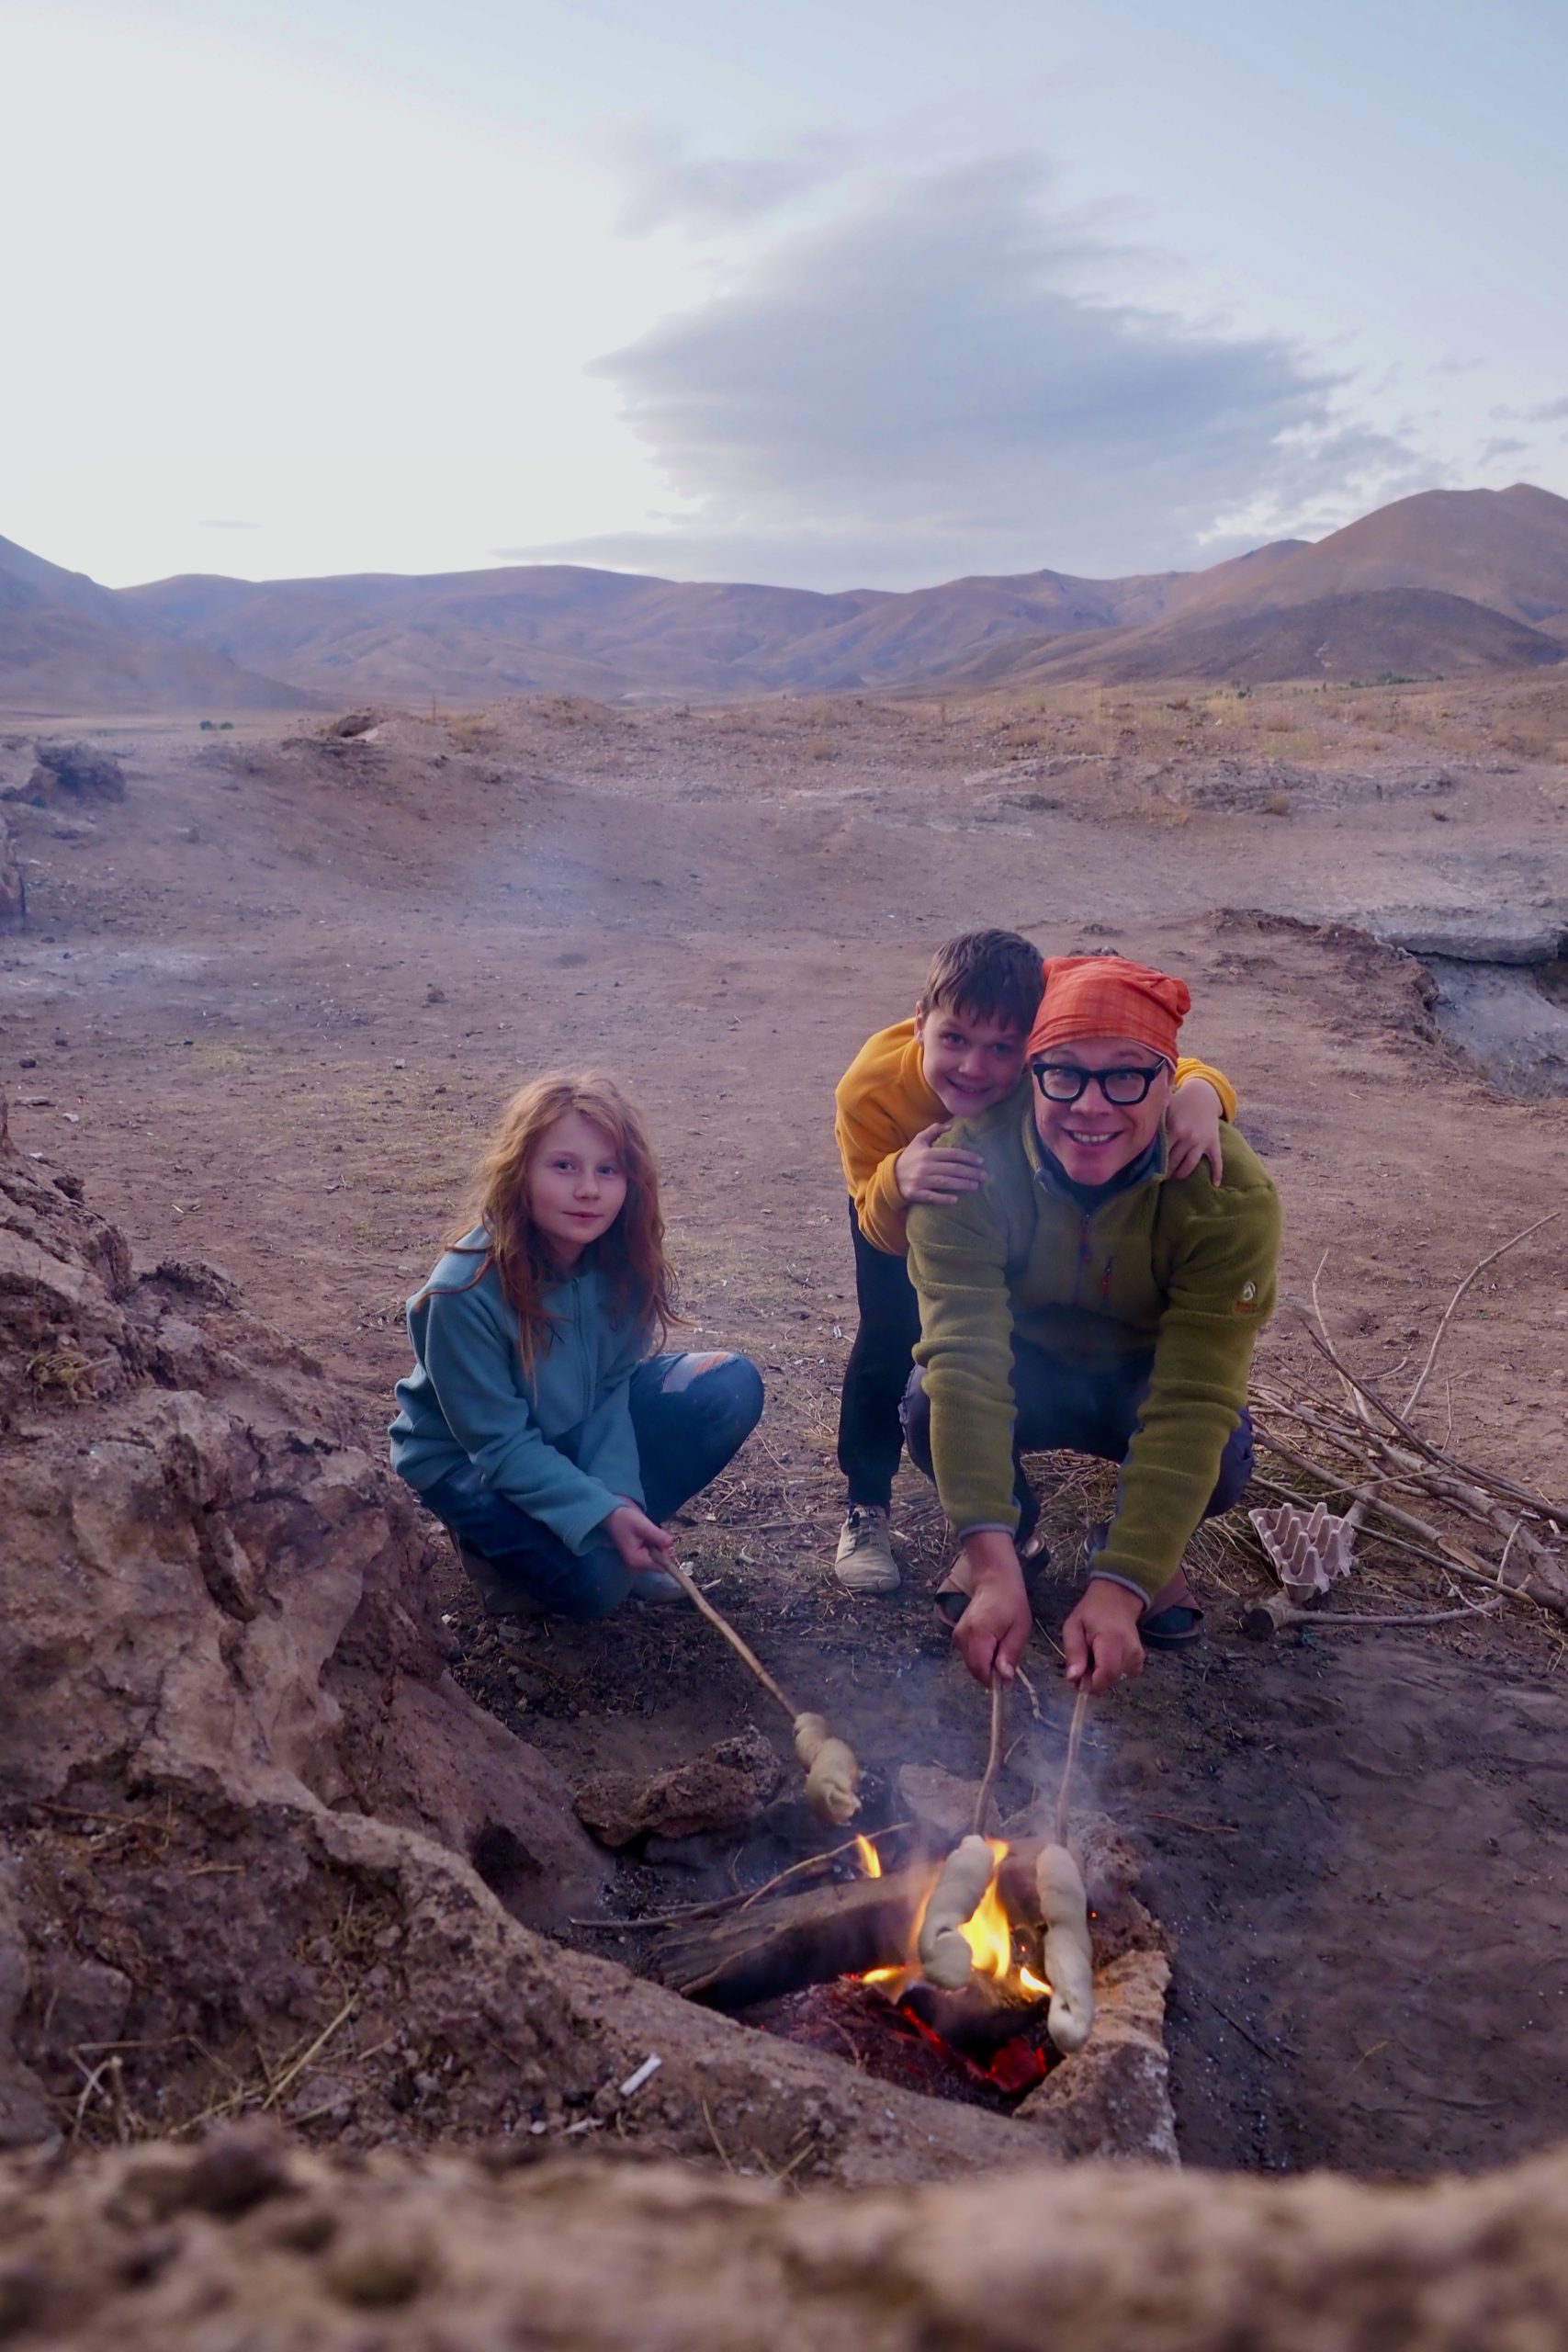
[
  {"x": 870, "y": 1859},
  {"x": 1035, "y": 1987}
]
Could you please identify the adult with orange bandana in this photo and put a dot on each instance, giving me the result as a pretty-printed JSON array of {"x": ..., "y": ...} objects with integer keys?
[{"x": 1084, "y": 1299}]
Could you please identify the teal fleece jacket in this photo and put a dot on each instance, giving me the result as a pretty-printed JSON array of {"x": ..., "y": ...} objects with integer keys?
[{"x": 559, "y": 1445}]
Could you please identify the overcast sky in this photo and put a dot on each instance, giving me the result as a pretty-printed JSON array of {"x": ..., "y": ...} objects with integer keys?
[{"x": 830, "y": 292}]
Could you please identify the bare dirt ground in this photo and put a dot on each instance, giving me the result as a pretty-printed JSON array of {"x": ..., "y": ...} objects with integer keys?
[{"x": 269, "y": 1004}]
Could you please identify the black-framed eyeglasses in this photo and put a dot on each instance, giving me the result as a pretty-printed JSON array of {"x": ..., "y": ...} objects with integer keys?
[{"x": 1065, "y": 1081}]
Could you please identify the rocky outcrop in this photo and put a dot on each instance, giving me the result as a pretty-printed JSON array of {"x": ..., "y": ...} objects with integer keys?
[
  {"x": 66, "y": 774},
  {"x": 243, "y": 2244}
]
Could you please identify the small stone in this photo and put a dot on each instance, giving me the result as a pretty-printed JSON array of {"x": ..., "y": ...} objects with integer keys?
[
  {"x": 235, "y": 2169},
  {"x": 378, "y": 2276},
  {"x": 726, "y": 1788}
]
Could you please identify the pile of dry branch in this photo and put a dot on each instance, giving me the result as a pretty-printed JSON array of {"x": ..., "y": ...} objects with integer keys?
[{"x": 1367, "y": 1457}]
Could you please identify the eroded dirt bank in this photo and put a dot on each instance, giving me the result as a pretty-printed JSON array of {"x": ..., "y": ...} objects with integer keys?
[{"x": 243, "y": 2245}]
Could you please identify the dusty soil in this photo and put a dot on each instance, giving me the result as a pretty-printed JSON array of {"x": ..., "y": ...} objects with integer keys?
[{"x": 269, "y": 1004}]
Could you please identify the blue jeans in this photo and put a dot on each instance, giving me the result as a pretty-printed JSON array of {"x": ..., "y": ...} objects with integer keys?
[
  {"x": 690, "y": 1415},
  {"x": 1073, "y": 1408}
]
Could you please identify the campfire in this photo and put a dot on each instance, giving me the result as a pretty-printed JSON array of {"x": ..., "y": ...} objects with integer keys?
[
  {"x": 992, "y": 2025},
  {"x": 850, "y": 1964}
]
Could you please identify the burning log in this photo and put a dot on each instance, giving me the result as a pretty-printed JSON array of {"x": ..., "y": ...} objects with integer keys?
[
  {"x": 809, "y": 1939},
  {"x": 868, "y": 1927}
]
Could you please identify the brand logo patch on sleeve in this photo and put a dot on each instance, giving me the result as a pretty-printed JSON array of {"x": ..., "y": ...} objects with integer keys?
[{"x": 1246, "y": 1299}]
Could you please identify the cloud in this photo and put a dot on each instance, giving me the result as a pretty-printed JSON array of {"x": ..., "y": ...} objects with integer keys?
[
  {"x": 1501, "y": 445},
  {"x": 937, "y": 381},
  {"x": 1549, "y": 413},
  {"x": 228, "y": 526},
  {"x": 668, "y": 187}
]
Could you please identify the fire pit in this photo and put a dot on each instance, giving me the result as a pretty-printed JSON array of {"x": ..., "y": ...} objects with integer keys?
[{"x": 839, "y": 1967}]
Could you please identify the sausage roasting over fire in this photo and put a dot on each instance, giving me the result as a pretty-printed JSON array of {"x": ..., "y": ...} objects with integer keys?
[
  {"x": 946, "y": 1960},
  {"x": 1069, "y": 1956},
  {"x": 832, "y": 1773}
]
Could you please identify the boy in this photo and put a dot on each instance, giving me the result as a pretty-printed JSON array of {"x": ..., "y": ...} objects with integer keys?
[{"x": 962, "y": 1053}]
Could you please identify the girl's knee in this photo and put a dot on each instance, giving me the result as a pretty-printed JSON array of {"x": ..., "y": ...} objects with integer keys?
[{"x": 732, "y": 1392}]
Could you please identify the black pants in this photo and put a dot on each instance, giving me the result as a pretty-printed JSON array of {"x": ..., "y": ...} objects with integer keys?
[
  {"x": 1075, "y": 1408},
  {"x": 871, "y": 1434}
]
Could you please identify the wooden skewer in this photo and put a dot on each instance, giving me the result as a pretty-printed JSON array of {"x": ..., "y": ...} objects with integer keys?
[
  {"x": 1075, "y": 1734},
  {"x": 993, "y": 1760},
  {"x": 742, "y": 1649}
]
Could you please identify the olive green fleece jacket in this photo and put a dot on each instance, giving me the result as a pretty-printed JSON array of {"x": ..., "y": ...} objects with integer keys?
[{"x": 1184, "y": 1270}]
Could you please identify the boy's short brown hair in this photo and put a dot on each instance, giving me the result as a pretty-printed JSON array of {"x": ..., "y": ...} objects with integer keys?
[{"x": 991, "y": 975}]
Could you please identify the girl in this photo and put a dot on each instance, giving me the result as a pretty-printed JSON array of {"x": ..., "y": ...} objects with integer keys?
[{"x": 537, "y": 1422}]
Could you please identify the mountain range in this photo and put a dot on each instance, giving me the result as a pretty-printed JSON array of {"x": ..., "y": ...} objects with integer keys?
[{"x": 1444, "y": 584}]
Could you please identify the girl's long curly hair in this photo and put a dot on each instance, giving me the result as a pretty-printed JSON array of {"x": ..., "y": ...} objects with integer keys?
[{"x": 631, "y": 1253}]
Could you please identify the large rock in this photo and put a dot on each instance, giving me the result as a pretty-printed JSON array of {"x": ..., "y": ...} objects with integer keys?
[
  {"x": 724, "y": 1788},
  {"x": 68, "y": 773},
  {"x": 1469, "y": 935}
]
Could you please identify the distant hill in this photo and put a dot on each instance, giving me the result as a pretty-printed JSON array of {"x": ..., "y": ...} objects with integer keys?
[
  {"x": 1504, "y": 549},
  {"x": 1394, "y": 632},
  {"x": 562, "y": 628},
  {"x": 1446, "y": 582},
  {"x": 68, "y": 645}
]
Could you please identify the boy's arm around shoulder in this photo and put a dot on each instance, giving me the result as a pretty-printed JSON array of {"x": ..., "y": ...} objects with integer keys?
[{"x": 1191, "y": 1066}]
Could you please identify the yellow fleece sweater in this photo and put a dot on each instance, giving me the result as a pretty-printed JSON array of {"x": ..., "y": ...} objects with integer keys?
[{"x": 882, "y": 1102}]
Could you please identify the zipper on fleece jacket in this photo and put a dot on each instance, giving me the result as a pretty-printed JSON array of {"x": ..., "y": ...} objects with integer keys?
[{"x": 1082, "y": 1260}]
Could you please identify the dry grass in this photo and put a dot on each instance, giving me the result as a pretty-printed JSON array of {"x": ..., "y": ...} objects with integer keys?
[{"x": 62, "y": 1371}]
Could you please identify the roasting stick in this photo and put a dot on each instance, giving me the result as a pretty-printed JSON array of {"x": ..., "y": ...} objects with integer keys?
[
  {"x": 993, "y": 1760},
  {"x": 832, "y": 1773},
  {"x": 742, "y": 1649},
  {"x": 1075, "y": 1734}
]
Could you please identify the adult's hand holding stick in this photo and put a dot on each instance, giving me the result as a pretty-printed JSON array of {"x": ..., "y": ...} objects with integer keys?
[{"x": 992, "y": 1632}]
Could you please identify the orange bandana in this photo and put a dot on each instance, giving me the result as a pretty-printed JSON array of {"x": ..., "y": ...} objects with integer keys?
[{"x": 1109, "y": 996}]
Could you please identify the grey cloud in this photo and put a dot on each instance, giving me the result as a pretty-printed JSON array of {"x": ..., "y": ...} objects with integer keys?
[
  {"x": 1549, "y": 413},
  {"x": 1502, "y": 447},
  {"x": 926, "y": 386},
  {"x": 228, "y": 526},
  {"x": 665, "y": 187}
]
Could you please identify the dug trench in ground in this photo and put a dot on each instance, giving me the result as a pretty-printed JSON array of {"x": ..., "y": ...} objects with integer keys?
[{"x": 230, "y": 1048}]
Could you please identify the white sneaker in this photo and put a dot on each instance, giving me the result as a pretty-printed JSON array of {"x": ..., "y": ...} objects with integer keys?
[{"x": 864, "y": 1561}]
